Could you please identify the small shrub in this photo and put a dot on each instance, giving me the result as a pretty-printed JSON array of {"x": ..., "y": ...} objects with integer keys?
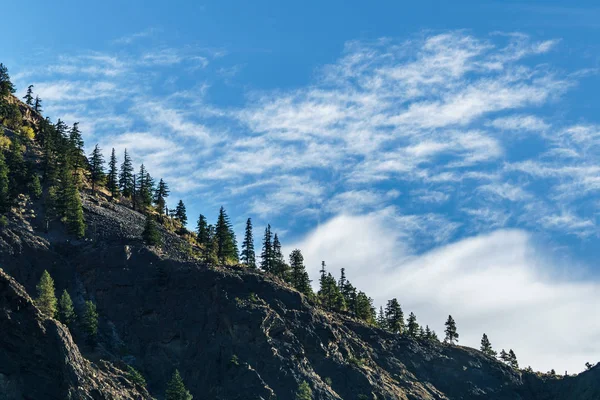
[
  {"x": 328, "y": 381},
  {"x": 304, "y": 392},
  {"x": 135, "y": 376},
  {"x": 27, "y": 132},
  {"x": 151, "y": 234},
  {"x": 3, "y": 221},
  {"x": 4, "y": 142},
  {"x": 234, "y": 360}
]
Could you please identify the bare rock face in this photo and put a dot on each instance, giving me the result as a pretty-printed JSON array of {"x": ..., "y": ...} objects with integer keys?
[
  {"x": 232, "y": 333},
  {"x": 39, "y": 360}
]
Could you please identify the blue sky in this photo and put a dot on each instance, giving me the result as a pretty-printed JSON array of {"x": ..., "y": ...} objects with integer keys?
[{"x": 466, "y": 135}]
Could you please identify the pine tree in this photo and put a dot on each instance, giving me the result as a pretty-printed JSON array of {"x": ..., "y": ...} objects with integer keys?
[
  {"x": 394, "y": 316},
  {"x": 381, "y": 321},
  {"x": 412, "y": 325},
  {"x": 160, "y": 196},
  {"x": 176, "y": 389},
  {"x": 428, "y": 333},
  {"x": 112, "y": 183},
  {"x": 299, "y": 277},
  {"x": 329, "y": 293},
  {"x": 365, "y": 309},
  {"x": 35, "y": 187},
  {"x": 126, "y": 181},
  {"x": 71, "y": 205},
  {"x": 280, "y": 268},
  {"x": 46, "y": 300},
  {"x": 17, "y": 170},
  {"x": 504, "y": 356},
  {"x": 6, "y": 86},
  {"x": 29, "y": 96},
  {"x": 512, "y": 359},
  {"x": 5, "y": 200},
  {"x": 202, "y": 231},
  {"x": 248, "y": 256},
  {"x": 66, "y": 311},
  {"x": 144, "y": 190},
  {"x": 211, "y": 247},
  {"x": 151, "y": 235},
  {"x": 451, "y": 334},
  {"x": 266, "y": 257},
  {"x": 90, "y": 321},
  {"x": 486, "y": 347},
  {"x": 76, "y": 142},
  {"x": 422, "y": 335},
  {"x": 226, "y": 243},
  {"x": 304, "y": 392},
  {"x": 37, "y": 105},
  {"x": 180, "y": 213},
  {"x": 96, "y": 167}
]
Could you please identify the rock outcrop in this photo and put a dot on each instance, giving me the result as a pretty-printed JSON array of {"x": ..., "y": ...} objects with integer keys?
[
  {"x": 233, "y": 333},
  {"x": 39, "y": 360}
]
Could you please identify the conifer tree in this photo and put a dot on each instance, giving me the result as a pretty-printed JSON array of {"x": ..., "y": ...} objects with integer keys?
[
  {"x": 4, "y": 185},
  {"x": 37, "y": 105},
  {"x": 76, "y": 143},
  {"x": 504, "y": 356},
  {"x": 70, "y": 204},
  {"x": 112, "y": 183},
  {"x": 202, "y": 231},
  {"x": 225, "y": 239},
  {"x": 211, "y": 247},
  {"x": 486, "y": 347},
  {"x": 298, "y": 276},
  {"x": 394, "y": 316},
  {"x": 35, "y": 187},
  {"x": 364, "y": 308},
  {"x": 160, "y": 196},
  {"x": 421, "y": 334},
  {"x": 304, "y": 392},
  {"x": 329, "y": 294},
  {"x": 6, "y": 86},
  {"x": 29, "y": 96},
  {"x": 280, "y": 268},
  {"x": 512, "y": 359},
  {"x": 428, "y": 333},
  {"x": 46, "y": 300},
  {"x": 66, "y": 311},
  {"x": 176, "y": 389},
  {"x": 90, "y": 321},
  {"x": 381, "y": 321},
  {"x": 144, "y": 190},
  {"x": 180, "y": 213},
  {"x": 17, "y": 170},
  {"x": 151, "y": 235},
  {"x": 126, "y": 181},
  {"x": 451, "y": 334},
  {"x": 248, "y": 256},
  {"x": 96, "y": 167},
  {"x": 412, "y": 325},
  {"x": 266, "y": 257}
]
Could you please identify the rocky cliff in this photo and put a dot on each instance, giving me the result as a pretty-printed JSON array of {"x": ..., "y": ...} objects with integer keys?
[{"x": 233, "y": 333}]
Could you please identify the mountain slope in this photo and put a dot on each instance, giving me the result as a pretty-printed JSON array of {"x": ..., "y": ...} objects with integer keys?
[{"x": 239, "y": 334}]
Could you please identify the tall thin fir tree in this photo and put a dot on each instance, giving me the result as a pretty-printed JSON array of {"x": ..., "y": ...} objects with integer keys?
[
  {"x": 394, "y": 316},
  {"x": 29, "y": 96},
  {"x": 381, "y": 321},
  {"x": 6, "y": 86},
  {"x": 176, "y": 389},
  {"x": 412, "y": 327},
  {"x": 46, "y": 300},
  {"x": 279, "y": 265},
  {"x": 266, "y": 257},
  {"x": 5, "y": 199},
  {"x": 96, "y": 167},
  {"x": 451, "y": 333},
  {"x": 76, "y": 143},
  {"x": 512, "y": 359},
  {"x": 160, "y": 197},
  {"x": 298, "y": 275},
  {"x": 66, "y": 311},
  {"x": 126, "y": 181},
  {"x": 37, "y": 105},
  {"x": 112, "y": 183},
  {"x": 90, "y": 321},
  {"x": 248, "y": 257},
  {"x": 202, "y": 231},
  {"x": 226, "y": 244},
  {"x": 180, "y": 213}
]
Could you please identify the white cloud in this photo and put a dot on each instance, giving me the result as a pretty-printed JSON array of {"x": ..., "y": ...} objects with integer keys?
[{"x": 499, "y": 284}]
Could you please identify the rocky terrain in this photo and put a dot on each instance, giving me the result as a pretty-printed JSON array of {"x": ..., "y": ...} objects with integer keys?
[{"x": 233, "y": 333}]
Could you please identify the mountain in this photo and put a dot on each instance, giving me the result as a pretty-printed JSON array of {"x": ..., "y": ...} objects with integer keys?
[{"x": 232, "y": 332}]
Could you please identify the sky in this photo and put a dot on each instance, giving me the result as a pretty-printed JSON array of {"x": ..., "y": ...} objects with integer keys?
[{"x": 444, "y": 153}]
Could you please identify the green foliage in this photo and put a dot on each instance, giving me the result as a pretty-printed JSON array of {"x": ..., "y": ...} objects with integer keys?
[
  {"x": 126, "y": 182},
  {"x": 412, "y": 326},
  {"x": 151, "y": 234},
  {"x": 160, "y": 196},
  {"x": 27, "y": 132},
  {"x": 248, "y": 257},
  {"x": 70, "y": 202},
  {"x": 486, "y": 347},
  {"x": 6, "y": 86},
  {"x": 5, "y": 200},
  {"x": 66, "y": 311},
  {"x": 328, "y": 381},
  {"x": 135, "y": 376},
  {"x": 280, "y": 268},
  {"x": 394, "y": 317},
  {"x": 364, "y": 308},
  {"x": 451, "y": 334},
  {"x": 76, "y": 153},
  {"x": 176, "y": 389},
  {"x": 112, "y": 183},
  {"x": 304, "y": 392},
  {"x": 329, "y": 293},
  {"x": 17, "y": 170},
  {"x": 298, "y": 276},
  {"x": 96, "y": 167},
  {"x": 46, "y": 300},
  {"x": 29, "y": 96},
  {"x": 266, "y": 257},
  {"x": 37, "y": 105},
  {"x": 512, "y": 359},
  {"x": 234, "y": 360},
  {"x": 3, "y": 221},
  {"x": 90, "y": 320},
  {"x": 180, "y": 213},
  {"x": 10, "y": 115},
  {"x": 143, "y": 189},
  {"x": 227, "y": 252},
  {"x": 35, "y": 187}
]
